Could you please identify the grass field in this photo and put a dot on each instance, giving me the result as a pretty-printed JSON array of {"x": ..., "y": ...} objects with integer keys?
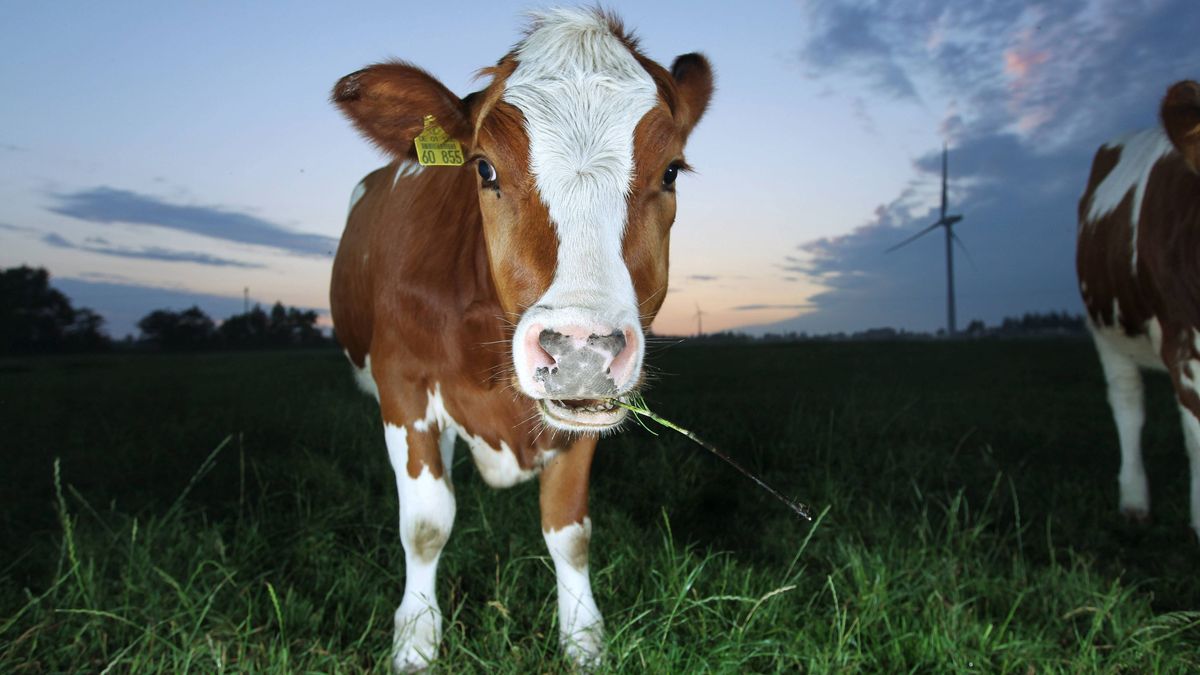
[{"x": 236, "y": 512}]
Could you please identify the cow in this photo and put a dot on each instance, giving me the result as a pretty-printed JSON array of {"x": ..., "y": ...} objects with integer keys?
[
  {"x": 506, "y": 301},
  {"x": 1137, "y": 259}
]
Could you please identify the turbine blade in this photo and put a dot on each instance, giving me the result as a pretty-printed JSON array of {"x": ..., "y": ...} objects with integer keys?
[
  {"x": 963, "y": 247},
  {"x": 915, "y": 237}
]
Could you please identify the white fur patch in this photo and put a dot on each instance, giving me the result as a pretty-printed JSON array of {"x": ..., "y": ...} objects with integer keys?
[
  {"x": 1139, "y": 153},
  {"x": 406, "y": 169},
  {"x": 1144, "y": 351},
  {"x": 359, "y": 191},
  {"x": 580, "y": 627},
  {"x": 497, "y": 466},
  {"x": 582, "y": 93},
  {"x": 363, "y": 376},
  {"x": 1191, "y": 434}
]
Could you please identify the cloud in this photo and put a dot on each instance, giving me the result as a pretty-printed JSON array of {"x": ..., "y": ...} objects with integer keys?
[
  {"x": 110, "y": 277},
  {"x": 747, "y": 308},
  {"x": 849, "y": 40},
  {"x": 56, "y": 241},
  {"x": 17, "y": 228},
  {"x": 702, "y": 277},
  {"x": 108, "y": 205},
  {"x": 1027, "y": 95},
  {"x": 101, "y": 246}
]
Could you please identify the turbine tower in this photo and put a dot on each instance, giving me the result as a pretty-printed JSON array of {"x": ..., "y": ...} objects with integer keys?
[
  {"x": 699, "y": 321},
  {"x": 946, "y": 221}
]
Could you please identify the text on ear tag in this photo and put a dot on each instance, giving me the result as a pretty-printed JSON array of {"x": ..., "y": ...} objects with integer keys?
[{"x": 435, "y": 147}]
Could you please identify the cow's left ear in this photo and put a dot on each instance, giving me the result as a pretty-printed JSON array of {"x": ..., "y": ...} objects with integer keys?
[
  {"x": 1181, "y": 120},
  {"x": 388, "y": 103},
  {"x": 694, "y": 84}
]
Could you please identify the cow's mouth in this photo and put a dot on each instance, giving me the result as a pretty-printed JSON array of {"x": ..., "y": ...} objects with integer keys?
[{"x": 584, "y": 414}]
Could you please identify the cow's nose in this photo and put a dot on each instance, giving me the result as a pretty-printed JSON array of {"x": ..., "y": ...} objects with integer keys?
[{"x": 577, "y": 362}]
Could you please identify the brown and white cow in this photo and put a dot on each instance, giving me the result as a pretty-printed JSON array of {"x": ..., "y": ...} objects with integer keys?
[
  {"x": 505, "y": 301},
  {"x": 1138, "y": 260}
]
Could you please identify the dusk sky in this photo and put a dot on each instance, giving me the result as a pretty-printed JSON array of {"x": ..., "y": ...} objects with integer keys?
[{"x": 163, "y": 154}]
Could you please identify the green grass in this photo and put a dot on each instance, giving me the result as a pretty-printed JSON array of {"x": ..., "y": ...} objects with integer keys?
[{"x": 236, "y": 512}]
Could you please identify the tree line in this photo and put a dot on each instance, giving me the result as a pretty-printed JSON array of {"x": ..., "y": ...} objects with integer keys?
[
  {"x": 1028, "y": 325},
  {"x": 37, "y": 318}
]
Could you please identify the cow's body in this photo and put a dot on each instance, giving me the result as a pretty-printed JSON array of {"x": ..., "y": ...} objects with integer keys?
[
  {"x": 1138, "y": 260},
  {"x": 503, "y": 302},
  {"x": 412, "y": 261}
]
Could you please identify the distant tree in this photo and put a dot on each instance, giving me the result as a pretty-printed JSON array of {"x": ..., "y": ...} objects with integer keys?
[
  {"x": 294, "y": 327},
  {"x": 189, "y": 329},
  {"x": 245, "y": 330},
  {"x": 281, "y": 327},
  {"x": 304, "y": 327},
  {"x": 35, "y": 317},
  {"x": 1033, "y": 323},
  {"x": 85, "y": 332},
  {"x": 278, "y": 329}
]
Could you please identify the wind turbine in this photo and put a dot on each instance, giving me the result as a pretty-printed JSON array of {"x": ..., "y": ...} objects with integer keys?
[
  {"x": 699, "y": 321},
  {"x": 946, "y": 221}
]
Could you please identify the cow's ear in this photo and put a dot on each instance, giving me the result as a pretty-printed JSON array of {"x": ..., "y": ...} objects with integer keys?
[
  {"x": 388, "y": 103},
  {"x": 1181, "y": 119},
  {"x": 694, "y": 84}
]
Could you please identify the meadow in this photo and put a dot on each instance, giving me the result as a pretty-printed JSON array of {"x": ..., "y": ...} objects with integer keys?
[{"x": 236, "y": 513}]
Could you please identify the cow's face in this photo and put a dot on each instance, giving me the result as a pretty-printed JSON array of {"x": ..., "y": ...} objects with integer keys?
[{"x": 575, "y": 147}]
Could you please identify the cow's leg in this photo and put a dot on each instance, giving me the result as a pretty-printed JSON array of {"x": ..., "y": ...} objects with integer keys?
[
  {"x": 426, "y": 517},
  {"x": 568, "y": 530},
  {"x": 1191, "y": 437},
  {"x": 1125, "y": 398}
]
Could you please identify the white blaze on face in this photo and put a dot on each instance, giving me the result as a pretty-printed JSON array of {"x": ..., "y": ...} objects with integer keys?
[{"x": 582, "y": 93}]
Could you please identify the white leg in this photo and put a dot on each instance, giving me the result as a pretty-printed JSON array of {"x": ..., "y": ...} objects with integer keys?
[
  {"x": 580, "y": 627},
  {"x": 1125, "y": 398},
  {"x": 1191, "y": 437},
  {"x": 426, "y": 517},
  {"x": 446, "y": 448}
]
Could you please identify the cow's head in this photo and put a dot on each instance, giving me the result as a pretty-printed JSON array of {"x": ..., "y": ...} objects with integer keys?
[
  {"x": 576, "y": 144},
  {"x": 1180, "y": 114}
]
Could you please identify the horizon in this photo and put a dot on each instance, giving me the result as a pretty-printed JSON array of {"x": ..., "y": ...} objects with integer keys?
[{"x": 220, "y": 165}]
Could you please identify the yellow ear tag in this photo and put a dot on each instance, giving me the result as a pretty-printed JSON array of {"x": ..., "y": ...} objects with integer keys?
[{"x": 435, "y": 147}]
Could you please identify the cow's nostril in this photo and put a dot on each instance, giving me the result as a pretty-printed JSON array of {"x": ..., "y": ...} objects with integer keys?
[
  {"x": 613, "y": 343},
  {"x": 554, "y": 343}
]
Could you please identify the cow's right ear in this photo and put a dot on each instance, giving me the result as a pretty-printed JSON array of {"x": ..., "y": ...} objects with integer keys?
[
  {"x": 1181, "y": 119},
  {"x": 388, "y": 103}
]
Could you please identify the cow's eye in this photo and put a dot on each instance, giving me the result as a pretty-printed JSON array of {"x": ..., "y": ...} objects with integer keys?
[
  {"x": 487, "y": 172},
  {"x": 670, "y": 175}
]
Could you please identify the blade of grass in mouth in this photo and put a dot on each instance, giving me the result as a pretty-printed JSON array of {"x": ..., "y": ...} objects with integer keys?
[{"x": 637, "y": 406}]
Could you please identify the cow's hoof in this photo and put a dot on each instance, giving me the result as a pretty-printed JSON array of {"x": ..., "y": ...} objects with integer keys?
[
  {"x": 415, "y": 642},
  {"x": 585, "y": 648},
  {"x": 1136, "y": 515}
]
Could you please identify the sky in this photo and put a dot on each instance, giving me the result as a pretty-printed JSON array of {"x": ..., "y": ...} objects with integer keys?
[{"x": 159, "y": 155}]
